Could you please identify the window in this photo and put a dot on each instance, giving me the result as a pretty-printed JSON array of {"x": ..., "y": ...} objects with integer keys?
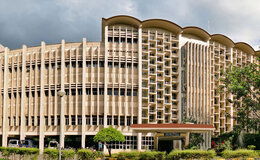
[
  {"x": 87, "y": 120},
  {"x": 129, "y": 40},
  {"x": 73, "y": 92},
  {"x": 46, "y": 93},
  {"x": 110, "y": 39},
  {"x": 135, "y": 92},
  {"x": 129, "y": 65},
  {"x": 109, "y": 120},
  {"x": 95, "y": 64},
  {"x": 79, "y": 91},
  {"x": 101, "y": 91},
  {"x": 94, "y": 120},
  {"x": 46, "y": 120},
  {"x": 135, "y": 40},
  {"x": 110, "y": 64},
  {"x": 122, "y": 92},
  {"x": 101, "y": 120},
  {"x": 101, "y": 63},
  {"x": 151, "y": 97},
  {"x": 73, "y": 64},
  {"x": 115, "y": 120},
  {"x": 128, "y": 92},
  {"x": 88, "y": 91},
  {"x": 26, "y": 121},
  {"x": 122, "y": 120},
  {"x": 94, "y": 91},
  {"x": 73, "y": 120},
  {"x": 52, "y": 120},
  {"x": 116, "y": 39},
  {"x": 122, "y": 39},
  {"x": 67, "y": 122},
  {"x": 80, "y": 64},
  {"x": 128, "y": 120},
  {"x": 52, "y": 93},
  {"x": 67, "y": 91},
  {"x": 109, "y": 91},
  {"x": 116, "y": 91},
  {"x": 67, "y": 64},
  {"x": 134, "y": 120},
  {"x": 88, "y": 63},
  {"x": 116, "y": 64},
  {"x": 79, "y": 120},
  {"x": 174, "y": 45},
  {"x": 122, "y": 65},
  {"x": 46, "y": 66}
]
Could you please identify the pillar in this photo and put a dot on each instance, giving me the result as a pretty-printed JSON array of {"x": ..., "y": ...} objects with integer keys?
[
  {"x": 62, "y": 118},
  {"x": 22, "y": 127},
  {"x": 139, "y": 141},
  {"x": 5, "y": 98}
]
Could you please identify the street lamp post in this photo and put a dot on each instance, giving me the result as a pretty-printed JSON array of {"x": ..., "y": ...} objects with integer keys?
[{"x": 61, "y": 93}]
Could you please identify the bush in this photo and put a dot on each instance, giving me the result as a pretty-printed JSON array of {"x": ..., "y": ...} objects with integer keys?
[
  {"x": 28, "y": 152},
  {"x": 147, "y": 155},
  {"x": 99, "y": 154},
  {"x": 251, "y": 147},
  {"x": 128, "y": 155},
  {"x": 51, "y": 153},
  {"x": 85, "y": 154},
  {"x": 193, "y": 154},
  {"x": 252, "y": 139},
  {"x": 67, "y": 154},
  {"x": 240, "y": 153}
]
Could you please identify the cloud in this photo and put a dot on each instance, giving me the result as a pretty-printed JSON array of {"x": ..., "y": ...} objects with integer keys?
[{"x": 32, "y": 21}]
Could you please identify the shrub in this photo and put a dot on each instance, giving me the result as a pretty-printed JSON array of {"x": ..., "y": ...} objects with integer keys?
[
  {"x": 99, "y": 154},
  {"x": 67, "y": 154},
  {"x": 251, "y": 147},
  {"x": 147, "y": 155},
  {"x": 240, "y": 153},
  {"x": 28, "y": 152},
  {"x": 128, "y": 155},
  {"x": 252, "y": 139},
  {"x": 193, "y": 154},
  {"x": 51, "y": 153},
  {"x": 85, "y": 154},
  {"x": 159, "y": 155}
]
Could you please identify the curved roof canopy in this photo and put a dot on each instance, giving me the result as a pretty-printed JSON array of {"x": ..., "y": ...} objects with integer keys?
[
  {"x": 123, "y": 19},
  {"x": 222, "y": 39},
  {"x": 204, "y": 35},
  {"x": 164, "y": 24},
  {"x": 245, "y": 47}
]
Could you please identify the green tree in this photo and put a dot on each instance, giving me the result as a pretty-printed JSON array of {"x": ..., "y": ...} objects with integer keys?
[
  {"x": 108, "y": 135},
  {"x": 244, "y": 84}
]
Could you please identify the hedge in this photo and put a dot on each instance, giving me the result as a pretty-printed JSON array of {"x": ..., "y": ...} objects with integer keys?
[
  {"x": 67, "y": 154},
  {"x": 240, "y": 153},
  {"x": 7, "y": 151},
  {"x": 85, "y": 154},
  {"x": 152, "y": 155},
  {"x": 193, "y": 154},
  {"x": 51, "y": 153},
  {"x": 128, "y": 155}
]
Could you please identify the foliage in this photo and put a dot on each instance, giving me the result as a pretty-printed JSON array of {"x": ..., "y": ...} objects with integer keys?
[
  {"x": 108, "y": 135},
  {"x": 244, "y": 84},
  {"x": 29, "y": 152},
  {"x": 128, "y": 155},
  {"x": 193, "y": 154},
  {"x": 67, "y": 154},
  {"x": 226, "y": 145},
  {"x": 252, "y": 139},
  {"x": 99, "y": 154},
  {"x": 240, "y": 153},
  {"x": 85, "y": 154},
  {"x": 147, "y": 155},
  {"x": 189, "y": 119},
  {"x": 51, "y": 153},
  {"x": 251, "y": 147},
  {"x": 195, "y": 140}
]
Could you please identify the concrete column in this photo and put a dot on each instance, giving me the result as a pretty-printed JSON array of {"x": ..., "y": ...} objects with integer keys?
[
  {"x": 62, "y": 118},
  {"x": 42, "y": 122},
  {"x": 83, "y": 136},
  {"x": 5, "y": 122},
  {"x": 105, "y": 76},
  {"x": 22, "y": 127},
  {"x": 139, "y": 141},
  {"x": 187, "y": 139},
  {"x": 140, "y": 77},
  {"x": 155, "y": 142}
]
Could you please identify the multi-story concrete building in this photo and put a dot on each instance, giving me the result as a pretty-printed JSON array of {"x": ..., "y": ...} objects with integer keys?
[{"x": 143, "y": 78}]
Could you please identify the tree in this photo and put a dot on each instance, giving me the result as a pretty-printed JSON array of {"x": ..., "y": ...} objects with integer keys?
[
  {"x": 244, "y": 84},
  {"x": 108, "y": 135}
]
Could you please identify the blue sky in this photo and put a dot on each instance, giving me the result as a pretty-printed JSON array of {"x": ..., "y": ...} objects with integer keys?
[{"x": 31, "y": 21}]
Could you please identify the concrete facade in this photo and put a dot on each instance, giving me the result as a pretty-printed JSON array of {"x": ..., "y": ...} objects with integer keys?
[{"x": 142, "y": 72}]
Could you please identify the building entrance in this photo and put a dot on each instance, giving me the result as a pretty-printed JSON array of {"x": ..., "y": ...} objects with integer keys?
[{"x": 165, "y": 145}]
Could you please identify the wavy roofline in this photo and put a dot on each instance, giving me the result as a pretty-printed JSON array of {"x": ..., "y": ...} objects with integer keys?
[{"x": 192, "y": 30}]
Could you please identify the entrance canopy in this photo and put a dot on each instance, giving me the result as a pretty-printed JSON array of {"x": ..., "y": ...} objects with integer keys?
[{"x": 172, "y": 127}]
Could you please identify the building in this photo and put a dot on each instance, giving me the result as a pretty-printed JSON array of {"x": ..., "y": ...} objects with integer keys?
[{"x": 143, "y": 78}]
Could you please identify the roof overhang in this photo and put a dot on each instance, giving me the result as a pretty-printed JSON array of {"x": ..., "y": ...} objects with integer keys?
[{"x": 172, "y": 127}]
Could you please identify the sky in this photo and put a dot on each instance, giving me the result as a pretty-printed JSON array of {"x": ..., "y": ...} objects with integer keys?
[{"x": 31, "y": 21}]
